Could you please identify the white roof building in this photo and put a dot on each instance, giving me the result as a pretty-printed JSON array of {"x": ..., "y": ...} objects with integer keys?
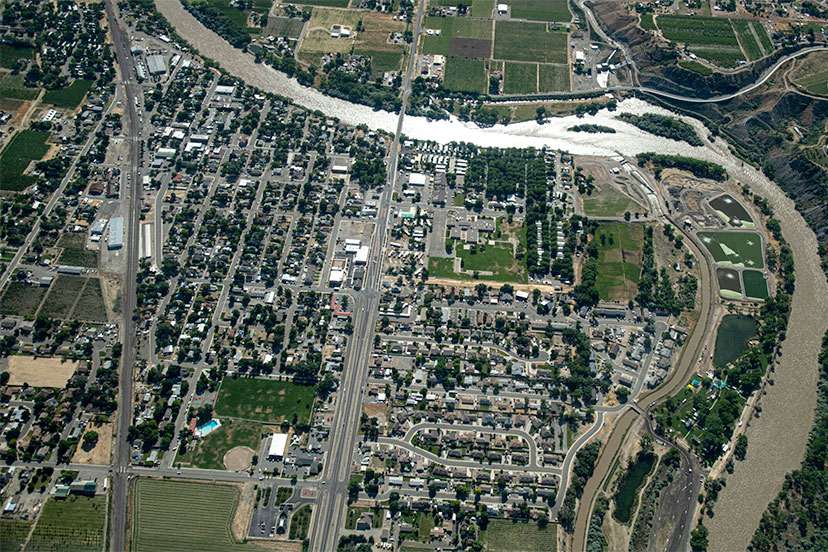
[
  {"x": 278, "y": 446},
  {"x": 417, "y": 179}
]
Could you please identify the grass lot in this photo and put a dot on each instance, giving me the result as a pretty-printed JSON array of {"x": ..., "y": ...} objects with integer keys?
[
  {"x": 21, "y": 299},
  {"x": 497, "y": 259},
  {"x": 11, "y": 53},
  {"x": 178, "y": 516},
  {"x": 506, "y": 536},
  {"x": 522, "y": 41},
  {"x": 453, "y": 27},
  {"x": 325, "y": 3},
  {"x": 209, "y": 452},
  {"x": 299, "y": 523},
  {"x": 647, "y": 22},
  {"x": 439, "y": 267},
  {"x": 12, "y": 87},
  {"x": 384, "y": 60},
  {"x": 520, "y": 78},
  {"x": 721, "y": 56},
  {"x": 554, "y": 78},
  {"x": 62, "y": 295},
  {"x": 696, "y": 66},
  {"x": 74, "y": 251},
  {"x": 74, "y": 524},
  {"x": 318, "y": 38},
  {"x": 734, "y": 248},
  {"x": 606, "y": 201},
  {"x": 13, "y": 533},
  {"x": 482, "y": 8},
  {"x": 69, "y": 97},
  {"x": 264, "y": 400},
  {"x": 541, "y": 10},
  {"x": 459, "y": 200},
  {"x": 466, "y": 75},
  {"x": 373, "y": 41},
  {"x": 25, "y": 147},
  {"x": 755, "y": 285},
  {"x": 90, "y": 306},
  {"x": 619, "y": 260},
  {"x": 744, "y": 32},
  {"x": 732, "y": 337}
]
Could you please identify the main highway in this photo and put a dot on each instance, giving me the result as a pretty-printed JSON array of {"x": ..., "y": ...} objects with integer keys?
[{"x": 121, "y": 453}]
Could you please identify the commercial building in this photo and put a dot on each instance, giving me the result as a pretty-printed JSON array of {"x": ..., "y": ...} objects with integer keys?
[
  {"x": 278, "y": 446},
  {"x": 156, "y": 64},
  {"x": 417, "y": 179},
  {"x": 115, "y": 240}
]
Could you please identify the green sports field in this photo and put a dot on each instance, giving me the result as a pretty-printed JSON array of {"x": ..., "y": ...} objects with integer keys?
[{"x": 264, "y": 400}]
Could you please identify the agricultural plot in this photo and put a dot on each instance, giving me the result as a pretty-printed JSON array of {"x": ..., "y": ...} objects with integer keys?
[
  {"x": 209, "y": 452},
  {"x": 465, "y": 75},
  {"x": 619, "y": 260},
  {"x": 507, "y": 536},
  {"x": 178, "y": 516},
  {"x": 729, "y": 285},
  {"x": 479, "y": 48},
  {"x": 755, "y": 284},
  {"x": 482, "y": 8},
  {"x": 541, "y": 10},
  {"x": 525, "y": 41},
  {"x": 21, "y": 299},
  {"x": 283, "y": 26},
  {"x": 520, "y": 78},
  {"x": 451, "y": 28},
  {"x": 90, "y": 306},
  {"x": 647, "y": 22},
  {"x": 373, "y": 41},
  {"x": 696, "y": 67},
  {"x": 13, "y": 533},
  {"x": 13, "y": 87},
  {"x": 811, "y": 73},
  {"x": 74, "y": 251},
  {"x": 318, "y": 39},
  {"x": 748, "y": 39},
  {"x": 62, "y": 296},
  {"x": 553, "y": 78},
  {"x": 10, "y": 54},
  {"x": 711, "y": 38},
  {"x": 734, "y": 248},
  {"x": 24, "y": 147},
  {"x": 264, "y": 400},
  {"x": 73, "y": 524},
  {"x": 69, "y": 97},
  {"x": 324, "y": 3}
]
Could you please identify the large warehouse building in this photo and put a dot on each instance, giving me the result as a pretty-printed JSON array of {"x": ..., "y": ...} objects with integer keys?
[{"x": 278, "y": 446}]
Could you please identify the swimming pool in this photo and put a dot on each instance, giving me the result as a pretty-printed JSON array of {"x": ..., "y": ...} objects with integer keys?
[{"x": 207, "y": 428}]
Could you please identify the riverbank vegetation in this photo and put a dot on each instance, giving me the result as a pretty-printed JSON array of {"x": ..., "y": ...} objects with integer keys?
[
  {"x": 592, "y": 129},
  {"x": 665, "y": 126},
  {"x": 699, "y": 168},
  {"x": 582, "y": 470}
]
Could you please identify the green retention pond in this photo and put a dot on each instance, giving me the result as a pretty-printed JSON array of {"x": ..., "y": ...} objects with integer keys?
[
  {"x": 735, "y": 248},
  {"x": 626, "y": 494},
  {"x": 756, "y": 286},
  {"x": 732, "y": 337}
]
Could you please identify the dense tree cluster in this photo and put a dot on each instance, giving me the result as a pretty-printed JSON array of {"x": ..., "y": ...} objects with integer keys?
[
  {"x": 664, "y": 125},
  {"x": 585, "y": 461},
  {"x": 699, "y": 168}
]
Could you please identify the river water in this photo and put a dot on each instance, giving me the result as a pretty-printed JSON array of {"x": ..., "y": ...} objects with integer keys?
[{"x": 777, "y": 439}]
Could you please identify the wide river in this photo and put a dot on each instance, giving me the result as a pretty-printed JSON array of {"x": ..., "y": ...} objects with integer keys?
[{"x": 777, "y": 439}]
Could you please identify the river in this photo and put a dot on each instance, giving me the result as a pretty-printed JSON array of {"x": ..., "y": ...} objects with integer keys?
[{"x": 777, "y": 439}]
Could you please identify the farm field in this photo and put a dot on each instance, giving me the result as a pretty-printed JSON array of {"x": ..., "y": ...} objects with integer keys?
[
  {"x": 13, "y": 533},
  {"x": 264, "y": 400},
  {"x": 69, "y": 97},
  {"x": 74, "y": 524},
  {"x": 731, "y": 338},
  {"x": 21, "y": 299},
  {"x": 283, "y": 26},
  {"x": 12, "y": 87},
  {"x": 606, "y": 201},
  {"x": 811, "y": 73},
  {"x": 482, "y": 8},
  {"x": 647, "y": 22},
  {"x": 712, "y": 38},
  {"x": 619, "y": 260},
  {"x": 62, "y": 295},
  {"x": 755, "y": 284},
  {"x": 74, "y": 251},
  {"x": 90, "y": 306},
  {"x": 526, "y": 41},
  {"x": 497, "y": 259},
  {"x": 318, "y": 39},
  {"x": 24, "y": 147},
  {"x": 734, "y": 248},
  {"x": 453, "y": 28},
  {"x": 554, "y": 78},
  {"x": 507, "y": 536},
  {"x": 209, "y": 452},
  {"x": 373, "y": 41},
  {"x": 747, "y": 39},
  {"x": 541, "y": 10},
  {"x": 465, "y": 75},
  {"x": 520, "y": 78},
  {"x": 697, "y": 67},
  {"x": 160, "y": 509}
]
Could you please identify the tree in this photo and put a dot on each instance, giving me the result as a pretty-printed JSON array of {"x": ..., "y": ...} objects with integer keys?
[
  {"x": 543, "y": 520},
  {"x": 90, "y": 439},
  {"x": 698, "y": 539},
  {"x": 740, "y": 450}
]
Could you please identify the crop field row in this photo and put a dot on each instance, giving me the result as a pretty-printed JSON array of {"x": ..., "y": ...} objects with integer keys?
[
  {"x": 178, "y": 516},
  {"x": 25, "y": 147},
  {"x": 74, "y": 524},
  {"x": 541, "y": 10},
  {"x": 747, "y": 34},
  {"x": 465, "y": 75},
  {"x": 529, "y": 78},
  {"x": 68, "y": 97},
  {"x": 532, "y": 42}
]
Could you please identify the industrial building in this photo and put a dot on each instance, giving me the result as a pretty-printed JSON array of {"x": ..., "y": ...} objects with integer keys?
[
  {"x": 156, "y": 64},
  {"x": 115, "y": 240},
  {"x": 278, "y": 446}
]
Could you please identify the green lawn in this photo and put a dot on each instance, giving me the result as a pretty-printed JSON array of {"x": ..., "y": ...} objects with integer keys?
[
  {"x": 264, "y": 400},
  {"x": 73, "y": 524},
  {"x": 25, "y": 147},
  {"x": 606, "y": 201},
  {"x": 13, "y": 533},
  {"x": 69, "y": 97},
  {"x": 439, "y": 267},
  {"x": 520, "y": 78},
  {"x": 497, "y": 259},
  {"x": 541, "y": 10},
  {"x": 178, "y": 516},
  {"x": 619, "y": 260},
  {"x": 21, "y": 299},
  {"x": 209, "y": 452},
  {"x": 525, "y": 41},
  {"x": 554, "y": 78},
  {"x": 465, "y": 75},
  {"x": 734, "y": 248},
  {"x": 507, "y": 536}
]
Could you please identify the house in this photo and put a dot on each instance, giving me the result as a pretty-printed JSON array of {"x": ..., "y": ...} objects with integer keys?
[{"x": 364, "y": 522}]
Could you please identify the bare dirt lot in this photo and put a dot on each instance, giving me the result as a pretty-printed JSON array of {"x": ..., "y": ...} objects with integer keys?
[
  {"x": 40, "y": 372},
  {"x": 238, "y": 458},
  {"x": 99, "y": 455}
]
